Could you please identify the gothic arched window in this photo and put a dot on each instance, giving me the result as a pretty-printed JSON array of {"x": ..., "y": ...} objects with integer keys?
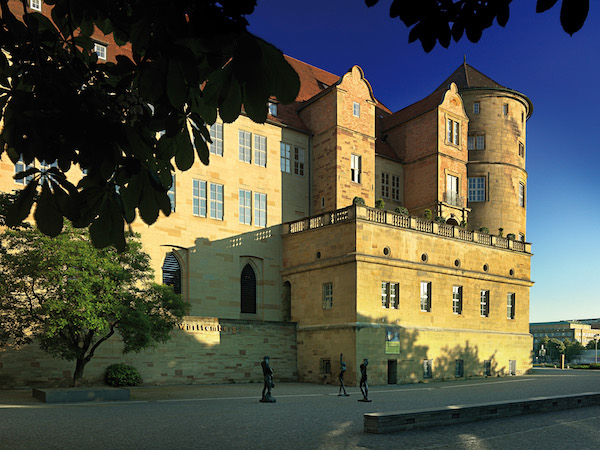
[
  {"x": 248, "y": 290},
  {"x": 172, "y": 273}
]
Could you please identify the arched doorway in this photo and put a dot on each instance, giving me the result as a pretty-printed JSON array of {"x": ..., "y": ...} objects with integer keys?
[{"x": 248, "y": 290}]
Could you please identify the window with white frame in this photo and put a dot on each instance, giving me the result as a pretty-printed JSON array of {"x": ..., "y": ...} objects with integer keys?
[
  {"x": 327, "y": 295},
  {"x": 245, "y": 203},
  {"x": 385, "y": 185},
  {"x": 476, "y": 106},
  {"x": 286, "y": 150},
  {"x": 36, "y": 5},
  {"x": 395, "y": 188},
  {"x": 356, "y": 109},
  {"x": 273, "y": 109},
  {"x": 100, "y": 50},
  {"x": 477, "y": 189},
  {"x": 426, "y": 296},
  {"x": 20, "y": 166},
  {"x": 355, "y": 163},
  {"x": 522, "y": 195},
  {"x": 390, "y": 295},
  {"x": 510, "y": 305},
  {"x": 260, "y": 209},
  {"x": 484, "y": 304},
  {"x": 457, "y": 299},
  {"x": 299, "y": 161},
  {"x": 216, "y": 201},
  {"x": 216, "y": 136},
  {"x": 245, "y": 146},
  {"x": 453, "y": 132},
  {"x": 260, "y": 150},
  {"x": 171, "y": 193},
  {"x": 199, "y": 197}
]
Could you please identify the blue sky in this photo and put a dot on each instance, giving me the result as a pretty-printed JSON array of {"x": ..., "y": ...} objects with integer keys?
[{"x": 532, "y": 55}]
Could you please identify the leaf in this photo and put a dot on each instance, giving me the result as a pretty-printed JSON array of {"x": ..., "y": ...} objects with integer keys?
[
  {"x": 148, "y": 206},
  {"x": 573, "y": 14},
  {"x": 503, "y": 15},
  {"x": 20, "y": 209},
  {"x": 176, "y": 85},
  {"x": 544, "y": 5},
  {"x": 230, "y": 102},
  {"x": 26, "y": 173},
  {"x": 47, "y": 216},
  {"x": 184, "y": 156},
  {"x": 370, "y": 3},
  {"x": 107, "y": 229},
  {"x": 201, "y": 147}
]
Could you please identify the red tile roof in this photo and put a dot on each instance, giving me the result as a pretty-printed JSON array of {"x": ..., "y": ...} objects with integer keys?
[{"x": 429, "y": 103}]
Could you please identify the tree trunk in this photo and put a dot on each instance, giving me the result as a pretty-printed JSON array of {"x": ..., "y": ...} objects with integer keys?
[{"x": 78, "y": 375}]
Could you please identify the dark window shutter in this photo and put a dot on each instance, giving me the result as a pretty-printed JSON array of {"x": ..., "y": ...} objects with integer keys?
[
  {"x": 172, "y": 273},
  {"x": 248, "y": 290}
]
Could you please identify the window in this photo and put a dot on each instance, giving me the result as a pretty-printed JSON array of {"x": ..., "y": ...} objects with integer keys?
[
  {"x": 477, "y": 189},
  {"x": 476, "y": 142},
  {"x": 216, "y": 201},
  {"x": 285, "y": 157},
  {"x": 100, "y": 50},
  {"x": 325, "y": 367},
  {"x": 273, "y": 109},
  {"x": 427, "y": 368},
  {"x": 216, "y": 136},
  {"x": 327, "y": 295},
  {"x": 522, "y": 118},
  {"x": 395, "y": 188},
  {"x": 356, "y": 109},
  {"x": 510, "y": 305},
  {"x": 45, "y": 166},
  {"x": 392, "y": 341},
  {"x": 487, "y": 368},
  {"x": 299, "y": 161},
  {"x": 521, "y": 149},
  {"x": 248, "y": 290},
  {"x": 385, "y": 185},
  {"x": 245, "y": 146},
  {"x": 355, "y": 168},
  {"x": 172, "y": 273},
  {"x": 457, "y": 299},
  {"x": 260, "y": 209},
  {"x": 485, "y": 304},
  {"x": 476, "y": 107},
  {"x": 199, "y": 198},
  {"x": 36, "y": 5},
  {"x": 521, "y": 237},
  {"x": 460, "y": 368},
  {"x": 425, "y": 296},
  {"x": 522, "y": 195},
  {"x": 21, "y": 167},
  {"x": 260, "y": 150},
  {"x": 389, "y": 295},
  {"x": 245, "y": 207},
  {"x": 512, "y": 367},
  {"x": 171, "y": 193},
  {"x": 453, "y": 132},
  {"x": 505, "y": 109}
]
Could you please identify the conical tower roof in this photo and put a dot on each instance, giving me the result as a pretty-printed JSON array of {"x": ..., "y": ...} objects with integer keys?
[{"x": 467, "y": 77}]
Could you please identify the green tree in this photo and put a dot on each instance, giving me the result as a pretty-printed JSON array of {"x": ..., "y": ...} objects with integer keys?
[
  {"x": 555, "y": 348},
  {"x": 591, "y": 345},
  {"x": 71, "y": 297},
  {"x": 572, "y": 349},
  {"x": 185, "y": 60},
  {"x": 443, "y": 20}
]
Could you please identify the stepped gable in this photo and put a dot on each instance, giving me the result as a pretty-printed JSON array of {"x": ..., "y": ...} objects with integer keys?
[{"x": 467, "y": 77}]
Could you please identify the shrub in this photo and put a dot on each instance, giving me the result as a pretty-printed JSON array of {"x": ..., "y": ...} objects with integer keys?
[
  {"x": 122, "y": 375},
  {"x": 358, "y": 201},
  {"x": 511, "y": 236},
  {"x": 484, "y": 230},
  {"x": 440, "y": 219},
  {"x": 427, "y": 214},
  {"x": 463, "y": 224},
  {"x": 500, "y": 231},
  {"x": 402, "y": 210},
  {"x": 379, "y": 204}
]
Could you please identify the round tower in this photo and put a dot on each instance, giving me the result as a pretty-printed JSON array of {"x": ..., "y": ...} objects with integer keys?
[{"x": 497, "y": 179}]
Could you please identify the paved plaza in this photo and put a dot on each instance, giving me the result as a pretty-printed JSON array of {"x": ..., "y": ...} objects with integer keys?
[{"x": 305, "y": 416}]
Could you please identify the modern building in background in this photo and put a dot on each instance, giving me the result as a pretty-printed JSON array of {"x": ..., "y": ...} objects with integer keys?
[
  {"x": 574, "y": 330},
  {"x": 279, "y": 249}
]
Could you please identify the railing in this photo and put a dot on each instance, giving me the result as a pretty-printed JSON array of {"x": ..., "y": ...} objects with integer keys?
[{"x": 401, "y": 221}]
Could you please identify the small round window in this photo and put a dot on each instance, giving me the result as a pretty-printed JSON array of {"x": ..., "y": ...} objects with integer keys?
[
  {"x": 424, "y": 257},
  {"x": 386, "y": 251},
  {"x": 318, "y": 255},
  {"x": 457, "y": 262},
  {"x": 512, "y": 272},
  {"x": 486, "y": 268}
]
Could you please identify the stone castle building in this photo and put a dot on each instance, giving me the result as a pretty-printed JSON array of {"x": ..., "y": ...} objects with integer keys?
[{"x": 275, "y": 256}]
